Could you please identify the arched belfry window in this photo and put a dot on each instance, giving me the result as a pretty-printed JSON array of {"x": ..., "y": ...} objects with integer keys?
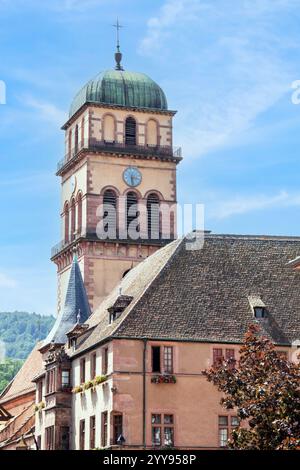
[
  {"x": 130, "y": 131},
  {"x": 110, "y": 212},
  {"x": 131, "y": 212},
  {"x": 76, "y": 139},
  {"x": 79, "y": 213},
  {"x": 73, "y": 219},
  {"x": 153, "y": 216},
  {"x": 67, "y": 225}
]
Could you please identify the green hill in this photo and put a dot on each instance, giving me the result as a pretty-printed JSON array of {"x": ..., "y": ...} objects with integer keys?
[{"x": 19, "y": 332}]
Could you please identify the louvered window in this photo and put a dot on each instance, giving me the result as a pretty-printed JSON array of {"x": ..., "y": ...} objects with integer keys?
[
  {"x": 132, "y": 212},
  {"x": 130, "y": 131},
  {"x": 153, "y": 217},
  {"x": 110, "y": 212}
]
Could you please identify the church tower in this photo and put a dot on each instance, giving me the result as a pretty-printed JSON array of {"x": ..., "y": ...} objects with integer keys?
[{"x": 118, "y": 153}]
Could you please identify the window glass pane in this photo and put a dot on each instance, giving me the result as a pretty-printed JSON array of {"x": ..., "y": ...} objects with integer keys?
[
  {"x": 156, "y": 436},
  {"x": 223, "y": 433},
  {"x": 223, "y": 420},
  {"x": 168, "y": 419},
  {"x": 234, "y": 421},
  {"x": 168, "y": 436},
  {"x": 168, "y": 359},
  {"x": 156, "y": 419},
  {"x": 65, "y": 378},
  {"x": 155, "y": 359}
]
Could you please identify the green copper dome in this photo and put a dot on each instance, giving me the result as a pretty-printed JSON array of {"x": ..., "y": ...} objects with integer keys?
[{"x": 121, "y": 88}]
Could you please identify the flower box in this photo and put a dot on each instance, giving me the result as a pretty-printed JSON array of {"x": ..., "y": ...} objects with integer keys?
[{"x": 163, "y": 379}]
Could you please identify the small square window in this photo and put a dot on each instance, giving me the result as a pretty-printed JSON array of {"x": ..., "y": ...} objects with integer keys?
[
  {"x": 234, "y": 421},
  {"x": 168, "y": 419},
  {"x": 259, "y": 312},
  {"x": 223, "y": 420},
  {"x": 156, "y": 419}
]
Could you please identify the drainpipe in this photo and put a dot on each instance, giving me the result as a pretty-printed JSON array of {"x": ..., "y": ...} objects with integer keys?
[{"x": 144, "y": 392}]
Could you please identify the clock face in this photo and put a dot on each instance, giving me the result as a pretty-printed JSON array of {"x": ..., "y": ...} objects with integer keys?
[{"x": 132, "y": 176}]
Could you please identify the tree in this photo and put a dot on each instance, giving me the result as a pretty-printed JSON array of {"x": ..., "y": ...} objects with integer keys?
[{"x": 264, "y": 389}]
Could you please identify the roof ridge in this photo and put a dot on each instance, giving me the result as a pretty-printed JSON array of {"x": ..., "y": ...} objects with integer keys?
[{"x": 253, "y": 237}]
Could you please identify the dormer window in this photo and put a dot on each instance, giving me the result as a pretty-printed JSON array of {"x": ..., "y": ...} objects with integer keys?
[
  {"x": 259, "y": 312},
  {"x": 119, "y": 306},
  {"x": 257, "y": 306}
]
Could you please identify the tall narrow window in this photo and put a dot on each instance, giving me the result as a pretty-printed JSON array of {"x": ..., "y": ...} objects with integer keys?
[
  {"x": 223, "y": 431},
  {"x": 64, "y": 438},
  {"x": 105, "y": 361},
  {"x": 67, "y": 226},
  {"x": 65, "y": 378},
  {"x": 226, "y": 426},
  {"x": 49, "y": 438},
  {"x": 117, "y": 427},
  {"x": 82, "y": 370},
  {"x": 217, "y": 356},
  {"x": 76, "y": 139},
  {"x": 40, "y": 391},
  {"x": 110, "y": 213},
  {"x": 73, "y": 219},
  {"x": 70, "y": 144},
  {"x": 79, "y": 213},
  {"x": 81, "y": 434},
  {"x": 82, "y": 133},
  {"x": 132, "y": 214},
  {"x": 92, "y": 432},
  {"x": 155, "y": 358},
  {"x": 130, "y": 131},
  {"x": 50, "y": 381},
  {"x": 104, "y": 423},
  {"x": 168, "y": 359},
  {"x": 153, "y": 217},
  {"x": 230, "y": 357},
  {"x": 93, "y": 365}
]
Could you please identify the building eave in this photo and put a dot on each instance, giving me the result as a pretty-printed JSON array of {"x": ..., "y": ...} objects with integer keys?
[{"x": 88, "y": 104}]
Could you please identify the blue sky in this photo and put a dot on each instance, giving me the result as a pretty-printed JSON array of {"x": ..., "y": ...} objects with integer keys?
[{"x": 226, "y": 65}]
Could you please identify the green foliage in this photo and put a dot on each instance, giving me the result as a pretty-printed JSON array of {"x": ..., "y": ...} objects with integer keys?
[
  {"x": 20, "y": 331},
  {"x": 8, "y": 369},
  {"x": 264, "y": 391}
]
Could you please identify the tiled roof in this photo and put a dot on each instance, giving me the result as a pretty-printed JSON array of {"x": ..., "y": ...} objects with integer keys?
[
  {"x": 203, "y": 295},
  {"x": 134, "y": 284},
  {"x": 76, "y": 308},
  {"x": 22, "y": 382}
]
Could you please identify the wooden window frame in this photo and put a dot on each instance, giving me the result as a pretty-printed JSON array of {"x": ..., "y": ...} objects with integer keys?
[
  {"x": 82, "y": 370},
  {"x": 162, "y": 426},
  {"x": 93, "y": 365},
  {"x": 105, "y": 360},
  {"x": 104, "y": 428},
  {"x": 82, "y": 434},
  {"x": 117, "y": 427},
  {"x": 50, "y": 435},
  {"x": 92, "y": 432},
  {"x": 228, "y": 427},
  {"x": 168, "y": 359}
]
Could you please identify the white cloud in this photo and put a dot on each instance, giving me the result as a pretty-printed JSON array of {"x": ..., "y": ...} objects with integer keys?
[
  {"x": 46, "y": 111},
  {"x": 229, "y": 66},
  {"x": 241, "y": 204},
  {"x": 7, "y": 282}
]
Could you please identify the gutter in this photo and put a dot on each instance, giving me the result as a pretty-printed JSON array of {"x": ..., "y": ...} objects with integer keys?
[{"x": 144, "y": 392}]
